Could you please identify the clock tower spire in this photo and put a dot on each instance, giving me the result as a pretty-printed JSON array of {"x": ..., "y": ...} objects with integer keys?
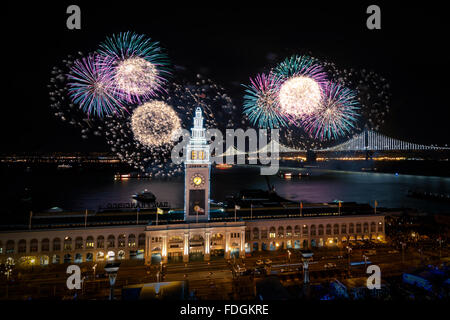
[{"x": 197, "y": 173}]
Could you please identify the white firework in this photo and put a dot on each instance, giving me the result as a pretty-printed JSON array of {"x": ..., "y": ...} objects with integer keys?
[
  {"x": 155, "y": 124},
  {"x": 300, "y": 96},
  {"x": 136, "y": 77}
]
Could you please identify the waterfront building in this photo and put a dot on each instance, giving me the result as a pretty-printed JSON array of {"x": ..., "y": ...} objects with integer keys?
[{"x": 198, "y": 233}]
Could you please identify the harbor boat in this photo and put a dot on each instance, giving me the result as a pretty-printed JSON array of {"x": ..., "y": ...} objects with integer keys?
[
  {"x": 223, "y": 166},
  {"x": 64, "y": 166},
  {"x": 290, "y": 175},
  {"x": 144, "y": 196},
  {"x": 135, "y": 175}
]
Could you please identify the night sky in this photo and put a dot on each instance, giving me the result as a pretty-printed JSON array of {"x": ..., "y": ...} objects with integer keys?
[{"x": 228, "y": 44}]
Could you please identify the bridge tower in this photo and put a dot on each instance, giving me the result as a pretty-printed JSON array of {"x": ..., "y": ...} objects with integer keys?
[{"x": 369, "y": 153}]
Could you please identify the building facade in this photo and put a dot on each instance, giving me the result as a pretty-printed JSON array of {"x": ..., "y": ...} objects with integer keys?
[{"x": 185, "y": 241}]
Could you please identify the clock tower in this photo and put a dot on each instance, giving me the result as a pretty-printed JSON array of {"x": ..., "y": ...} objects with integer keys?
[{"x": 197, "y": 173}]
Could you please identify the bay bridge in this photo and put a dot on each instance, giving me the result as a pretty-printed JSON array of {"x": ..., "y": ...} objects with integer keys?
[
  {"x": 374, "y": 141},
  {"x": 367, "y": 142}
]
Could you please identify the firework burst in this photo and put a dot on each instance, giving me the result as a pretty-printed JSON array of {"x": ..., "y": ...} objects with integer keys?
[
  {"x": 183, "y": 97},
  {"x": 90, "y": 86},
  {"x": 373, "y": 93},
  {"x": 302, "y": 81},
  {"x": 155, "y": 123},
  {"x": 337, "y": 115},
  {"x": 261, "y": 102},
  {"x": 62, "y": 105},
  {"x": 138, "y": 64}
]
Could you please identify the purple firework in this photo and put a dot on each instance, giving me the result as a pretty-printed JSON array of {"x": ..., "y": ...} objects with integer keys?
[
  {"x": 337, "y": 115},
  {"x": 91, "y": 87}
]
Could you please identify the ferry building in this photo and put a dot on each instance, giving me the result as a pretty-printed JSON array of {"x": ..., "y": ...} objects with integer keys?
[{"x": 196, "y": 233}]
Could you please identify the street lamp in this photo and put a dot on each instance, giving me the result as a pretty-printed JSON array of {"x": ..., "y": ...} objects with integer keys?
[
  {"x": 306, "y": 258},
  {"x": 112, "y": 269},
  {"x": 403, "y": 251},
  {"x": 93, "y": 268},
  {"x": 349, "y": 251},
  {"x": 289, "y": 259},
  {"x": 158, "y": 275}
]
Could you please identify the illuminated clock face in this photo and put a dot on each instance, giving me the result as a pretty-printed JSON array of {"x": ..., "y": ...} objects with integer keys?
[{"x": 197, "y": 180}]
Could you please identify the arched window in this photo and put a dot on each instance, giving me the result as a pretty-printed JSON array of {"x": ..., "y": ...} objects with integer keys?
[
  {"x": 263, "y": 233},
  {"x": 34, "y": 245},
  {"x": 22, "y": 246},
  {"x": 110, "y": 256},
  {"x": 141, "y": 240},
  {"x": 10, "y": 246},
  {"x": 56, "y": 244},
  {"x": 373, "y": 227},
  {"x": 320, "y": 229},
  {"x": 328, "y": 229},
  {"x": 121, "y": 241},
  {"x": 255, "y": 233},
  {"x": 305, "y": 230},
  {"x": 111, "y": 241},
  {"x": 380, "y": 226},
  {"x": 89, "y": 257},
  {"x": 272, "y": 232},
  {"x": 78, "y": 258},
  {"x": 78, "y": 243},
  {"x": 45, "y": 245},
  {"x": 280, "y": 232},
  {"x": 297, "y": 231},
  {"x": 351, "y": 228},
  {"x": 67, "y": 244},
  {"x": 313, "y": 230},
  {"x": 121, "y": 255},
  {"x": 55, "y": 259},
  {"x": 100, "y": 256},
  {"x": 358, "y": 228},
  {"x": 131, "y": 241},
  {"x": 343, "y": 228},
  {"x": 90, "y": 242},
  {"x": 100, "y": 242},
  {"x": 67, "y": 258},
  {"x": 365, "y": 227},
  {"x": 336, "y": 229},
  {"x": 288, "y": 231}
]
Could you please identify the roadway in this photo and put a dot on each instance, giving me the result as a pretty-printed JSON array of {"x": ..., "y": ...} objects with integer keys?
[{"x": 210, "y": 280}]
